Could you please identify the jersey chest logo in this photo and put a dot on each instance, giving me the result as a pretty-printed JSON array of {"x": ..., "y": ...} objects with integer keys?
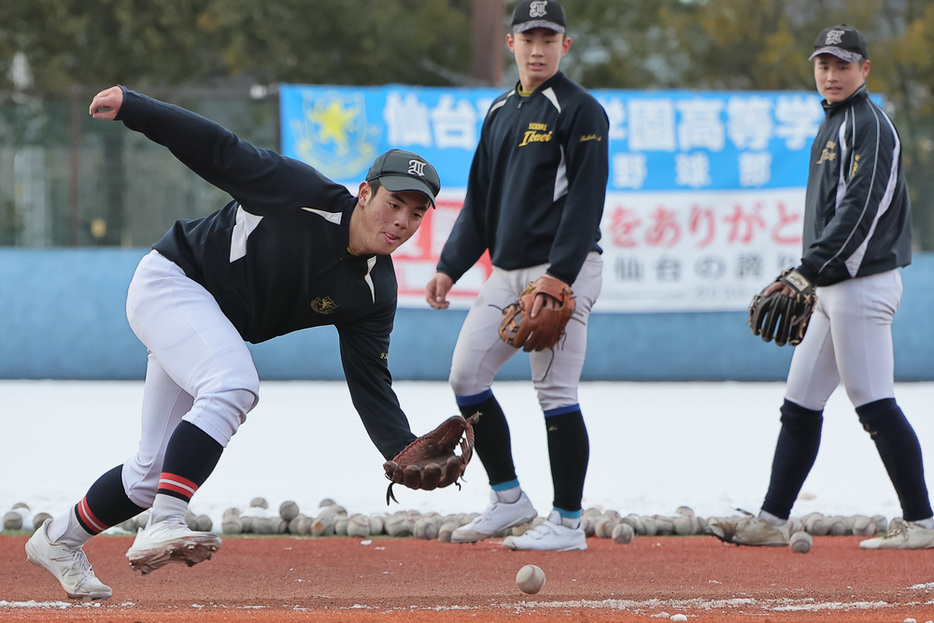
[
  {"x": 829, "y": 153},
  {"x": 324, "y": 305},
  {"x": 536, "y": 133}
]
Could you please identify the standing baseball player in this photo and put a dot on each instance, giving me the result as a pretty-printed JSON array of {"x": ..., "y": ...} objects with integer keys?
[
  {"x": 292, "y": 250},
  {"x": 857, "y": 235},
  {"x": 534, "y": 199}
]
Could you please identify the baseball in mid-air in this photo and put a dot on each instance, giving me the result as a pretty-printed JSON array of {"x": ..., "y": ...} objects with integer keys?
[
  {"x": 530, "y": 579},
  {"x": 800, "y": 542}
]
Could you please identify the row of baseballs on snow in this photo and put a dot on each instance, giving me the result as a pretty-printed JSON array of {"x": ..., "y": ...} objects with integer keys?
[{"x": 332, "y": 519}]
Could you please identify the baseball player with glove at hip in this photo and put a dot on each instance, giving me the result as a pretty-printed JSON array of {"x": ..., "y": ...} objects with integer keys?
[
  {"x": 857, "y": 235},
  {"x": 534, "y": 199},
  {"x": 292, "y": 250}
]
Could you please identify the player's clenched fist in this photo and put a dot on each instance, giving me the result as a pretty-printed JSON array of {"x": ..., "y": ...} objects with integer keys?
[{"x": 106, "y": 104}]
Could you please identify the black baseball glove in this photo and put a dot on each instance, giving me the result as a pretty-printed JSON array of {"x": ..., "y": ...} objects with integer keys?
[{"x": 783, "y": 318}]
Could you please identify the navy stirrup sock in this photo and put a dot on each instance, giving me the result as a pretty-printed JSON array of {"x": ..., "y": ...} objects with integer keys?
[
  {"x": 190, "y": 458},
  {"x": 106, "y": 503},
  {"x": 900, "y": 451},
  {"x": 795, "y": 453},
  {"x": 493, "y": 443},
  {"x": 569, "y": 454}
]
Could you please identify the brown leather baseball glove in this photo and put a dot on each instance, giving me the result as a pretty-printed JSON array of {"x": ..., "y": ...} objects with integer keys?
[
  {"x": 780, "y": 317},
  {"x": 519, "y": 329},
  {"x": 429, "y": 462}
]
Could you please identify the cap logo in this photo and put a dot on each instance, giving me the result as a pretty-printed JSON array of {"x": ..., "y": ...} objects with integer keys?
[
  {"x": 416, "y": 167},
  {"x": 834, "y": 37},
  {"x": 537, "y": 8}
]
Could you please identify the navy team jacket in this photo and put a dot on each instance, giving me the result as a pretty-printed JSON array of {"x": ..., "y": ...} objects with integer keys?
[
  {"x": 537, "y": 183},
  {"x": 857, "y": 216}
]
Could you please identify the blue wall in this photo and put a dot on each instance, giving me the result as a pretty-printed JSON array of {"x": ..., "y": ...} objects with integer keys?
[{"x": 63, "y": 318}]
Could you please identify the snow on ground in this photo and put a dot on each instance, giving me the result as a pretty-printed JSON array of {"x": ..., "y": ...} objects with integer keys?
[{"x": 654, "y": 447}]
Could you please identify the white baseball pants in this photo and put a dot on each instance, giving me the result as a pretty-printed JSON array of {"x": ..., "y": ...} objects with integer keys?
[
  {"x": 199, "y": 368},
  {"x": 480, "y": 353},
  {"x": 850, "y": 339}
]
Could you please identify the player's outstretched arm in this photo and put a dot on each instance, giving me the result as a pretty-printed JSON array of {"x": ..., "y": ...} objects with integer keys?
[{"x": 106, "y": 104}]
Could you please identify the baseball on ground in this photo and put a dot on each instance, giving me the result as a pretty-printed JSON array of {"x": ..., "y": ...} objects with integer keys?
[
  {"x": 39, "y": 519},
  {"x": 623, "y": 533},
  {"x": 288, "y": 510},
  {"x": 800, "y": 542},
  {"x": 530, "y": 579},
  {"x": 12, "y": 521}
]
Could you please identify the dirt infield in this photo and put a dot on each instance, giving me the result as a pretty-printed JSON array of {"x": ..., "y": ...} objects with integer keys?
[{"x": 406, "y": 580}]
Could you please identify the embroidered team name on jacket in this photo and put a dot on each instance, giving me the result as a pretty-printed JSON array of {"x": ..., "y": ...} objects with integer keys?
[
  {"x": 537, "y": 133},
  {"x": 829, "y": 153},
  {"x": 323, "y": 305}
]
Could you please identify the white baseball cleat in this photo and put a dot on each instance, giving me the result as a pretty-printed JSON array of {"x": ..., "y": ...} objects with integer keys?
[
  {"x": 550, "y": 536},
  {"x": 497, "y": 517},
  {"x": 168, "y": 541},
  {"x": 747, "y": 529},
  {"x": 755, "y": 531},
  {"x": 902, "y": 535},
  {"x": 69, "y": 566}
]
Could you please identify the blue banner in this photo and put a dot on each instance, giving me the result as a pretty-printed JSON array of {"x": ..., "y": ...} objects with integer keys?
[
  {"x": 705, "y": 195},
  {"x": 659, "y": 140}
]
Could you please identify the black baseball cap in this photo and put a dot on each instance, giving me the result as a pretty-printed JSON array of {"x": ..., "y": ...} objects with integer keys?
[
  {"x": 398, "y": 170},
  {"x": 842, "y": 41},
  {"x": 531, "y": 14}
]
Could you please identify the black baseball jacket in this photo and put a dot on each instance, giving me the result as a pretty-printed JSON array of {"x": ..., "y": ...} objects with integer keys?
[
  {"x": 537, "y": 183},
  {"x": 276, "y": 258},
  {"x": 857, "y": 216}
]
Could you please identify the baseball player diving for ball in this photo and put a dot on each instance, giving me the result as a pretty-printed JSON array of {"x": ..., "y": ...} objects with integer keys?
[{"x": 292, "y": 250}]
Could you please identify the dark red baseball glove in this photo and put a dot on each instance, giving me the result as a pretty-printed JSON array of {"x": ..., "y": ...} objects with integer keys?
[{"x": 430, "y": 462}]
